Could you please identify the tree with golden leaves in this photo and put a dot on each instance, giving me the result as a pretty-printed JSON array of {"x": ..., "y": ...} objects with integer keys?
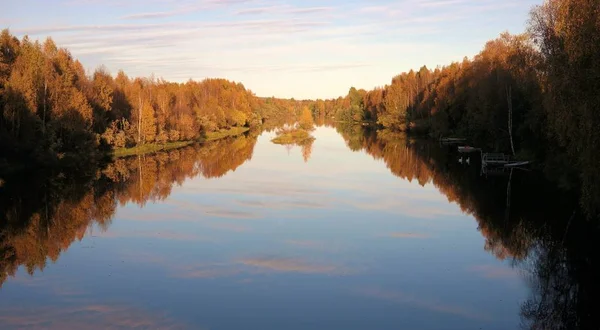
[{"x": 306, "y": 121}]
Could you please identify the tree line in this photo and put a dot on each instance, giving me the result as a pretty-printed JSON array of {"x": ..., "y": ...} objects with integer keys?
[
  {"x": 51, "y": 110},
  {"x": 533, "y": 95},
  {"x": 540, "y": 86}
]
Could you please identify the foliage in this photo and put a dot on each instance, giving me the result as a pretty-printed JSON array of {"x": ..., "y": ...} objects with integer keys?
[
  {"x": 533, "y": 94},
  {"x": 234, "y": 131},
  {"x": 567, "y": 33},
  {"x": 295, "y": 136},
  {"x": 149, "y": 148},
  {"x": 51, "y": 111},
  {"x": 306, "y": 121}
]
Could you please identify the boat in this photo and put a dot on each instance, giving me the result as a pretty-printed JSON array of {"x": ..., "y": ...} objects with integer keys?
[
  {"x": 517, "y": 164},
  {"x": 494, "y": 159},
  {"x": 450, "y": 140},
  {"x": 467, "y": 149}
]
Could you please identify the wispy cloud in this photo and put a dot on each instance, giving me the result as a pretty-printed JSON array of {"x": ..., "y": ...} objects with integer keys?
[
  {"x": 258, "y": 10},
  {"x": 310, "y": 10},
  {"x": 283, "y": 10},
  {"x": 441, "y": 3},
  {"x": 160, "y": 14},
  {"x": 51, "y": 29},
  {"x": 318, "y": 49},
  {"x": 184, "y": 9}
]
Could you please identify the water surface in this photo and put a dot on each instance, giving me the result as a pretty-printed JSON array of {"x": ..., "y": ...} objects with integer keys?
[{"x": 356, "y": 231}]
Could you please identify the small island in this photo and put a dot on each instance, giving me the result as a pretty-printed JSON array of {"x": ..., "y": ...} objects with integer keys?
[{"x": 298, "y": 134}]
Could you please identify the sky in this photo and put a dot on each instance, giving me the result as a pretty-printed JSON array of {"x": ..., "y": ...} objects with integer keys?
[{"x": 302, "y": 49}]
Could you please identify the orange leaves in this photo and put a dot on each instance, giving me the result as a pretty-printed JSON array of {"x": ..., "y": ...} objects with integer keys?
[{"x": 306, "y": 121}]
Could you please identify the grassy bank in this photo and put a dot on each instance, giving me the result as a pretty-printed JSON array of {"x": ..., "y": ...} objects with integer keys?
[
  {"x": 297, "y": 136},
  {"x": 149, "y": 148},
  {"x": 154, "y": 147},
  {"x": 234, "y": 131}
]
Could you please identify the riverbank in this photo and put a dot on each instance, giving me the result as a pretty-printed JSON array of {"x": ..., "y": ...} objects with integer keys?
[
  {"x": 149, "y": 148},
  {"x": 234, "y": 131},
  {"x": 23, "y": 163},
  {"x": 155, "y": 147}
]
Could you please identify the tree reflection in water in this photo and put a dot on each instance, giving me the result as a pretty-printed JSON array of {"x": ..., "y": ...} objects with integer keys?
[
  {"x": 525, "y": 218},
  {"x": 43, "y": 214}
]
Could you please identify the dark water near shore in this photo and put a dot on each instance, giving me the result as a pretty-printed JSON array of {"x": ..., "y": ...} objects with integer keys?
[{"x": 360, "y": 230}]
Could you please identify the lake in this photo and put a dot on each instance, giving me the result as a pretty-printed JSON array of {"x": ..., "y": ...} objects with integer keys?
[{"x": 360, "y": 230}]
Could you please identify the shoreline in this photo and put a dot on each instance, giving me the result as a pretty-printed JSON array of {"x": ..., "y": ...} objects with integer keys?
[
  {"x": 12, "y": 166},
  {"x": 155, "y": 147}
]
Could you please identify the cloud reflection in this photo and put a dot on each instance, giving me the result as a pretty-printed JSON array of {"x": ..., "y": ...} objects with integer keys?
[
  {"x": 408, "y": 235},
  {"x": 163, "y": 234},
  {"x": 90, "y": 316},
  {"x": 495, "y": 272},
  {"x": 212, "y": 211},
  {"x": 291, "y": 265},
  {"x": 425, "y": 303},
  {"x": 256, "y": 266},
  {"x": 282, "y": 205},
  {"x": 306, "y": 244}
]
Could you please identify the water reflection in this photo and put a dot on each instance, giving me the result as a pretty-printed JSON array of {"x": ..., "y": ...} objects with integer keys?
[
  {"x": 524, "y": 217},
  {"x": 86, "y": 317},
  {"x": 44, "y": 214},
  {"x": 305, "y": 147},
  {"x": 526, "y": 221}
]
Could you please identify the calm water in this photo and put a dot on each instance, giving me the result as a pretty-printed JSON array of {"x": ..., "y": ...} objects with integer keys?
[{"x": 354, "y": 232}]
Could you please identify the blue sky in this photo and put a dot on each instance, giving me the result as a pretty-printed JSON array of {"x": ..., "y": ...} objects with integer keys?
[{"x": 301, "y": 49}]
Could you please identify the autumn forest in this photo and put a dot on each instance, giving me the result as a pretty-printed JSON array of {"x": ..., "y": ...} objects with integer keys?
[
  {"x": 52, "y": 109},
  {"x": 522, "y": 93},
  {"x": 347, "y": 213},
  {"x": 525, "y": 94}
]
